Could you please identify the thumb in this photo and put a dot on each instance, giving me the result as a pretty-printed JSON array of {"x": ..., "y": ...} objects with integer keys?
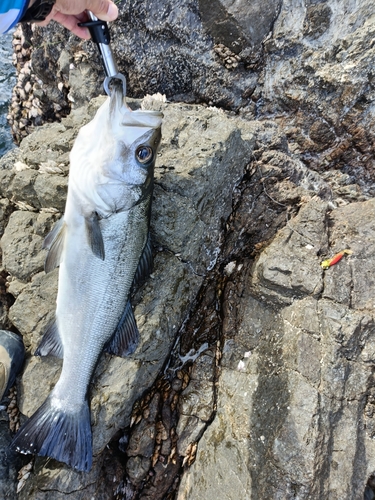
[{"x": 105, "y": 10}]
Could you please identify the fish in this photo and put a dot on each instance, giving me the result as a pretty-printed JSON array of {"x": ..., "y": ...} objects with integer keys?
[
  {"x": 102, "y": 247},
  {"x": 326, "y": 264}
]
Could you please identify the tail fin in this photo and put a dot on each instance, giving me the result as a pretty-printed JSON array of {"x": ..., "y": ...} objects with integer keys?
[{"x": 54, "y": 432}]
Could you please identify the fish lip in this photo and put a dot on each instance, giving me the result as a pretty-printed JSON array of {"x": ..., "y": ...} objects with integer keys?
[
  {"x": 138, "y": 118},
  {"x": 143, "y": 118}
]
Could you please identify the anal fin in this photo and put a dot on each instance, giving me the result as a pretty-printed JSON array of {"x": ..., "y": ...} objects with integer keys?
[
  {"x": 94, "y": 235},
  {"x": 126, "y": 337},
  {"x": 50, "y": 343}
]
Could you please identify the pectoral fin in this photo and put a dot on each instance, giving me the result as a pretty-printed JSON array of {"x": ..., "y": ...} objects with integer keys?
[
  {"x": 50, "y": 343},
  {"x": 94, "y": 235},
  {"x": 54, "y": 242},
  {"x": 126, "y": 337},
  {"x": 145, "y": 264},
  {"x": 51, "y": 236}
]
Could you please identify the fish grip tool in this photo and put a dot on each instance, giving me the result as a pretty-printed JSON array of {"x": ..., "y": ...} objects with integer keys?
[{"x": 100, "y": 35}]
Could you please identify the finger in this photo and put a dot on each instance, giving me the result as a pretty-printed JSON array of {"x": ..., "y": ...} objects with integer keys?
[
  {"x": 81, "y": 17},
  {"x": 71, "y": 23},
  {"x": 49, "y": 18},
  {"x": 105, "y": 10}
]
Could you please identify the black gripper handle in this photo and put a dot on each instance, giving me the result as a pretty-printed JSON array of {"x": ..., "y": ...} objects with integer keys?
[{"x": 99, "y": 31}]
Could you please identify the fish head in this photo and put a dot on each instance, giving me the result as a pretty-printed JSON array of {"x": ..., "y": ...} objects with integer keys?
[
  {"x": 138, "y": 134},
  {"x": 139, "y": 149},
  {"x": 112, "y": 161}
]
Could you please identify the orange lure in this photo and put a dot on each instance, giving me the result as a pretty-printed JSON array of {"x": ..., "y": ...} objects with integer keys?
[{"x": 335, "y": 259}]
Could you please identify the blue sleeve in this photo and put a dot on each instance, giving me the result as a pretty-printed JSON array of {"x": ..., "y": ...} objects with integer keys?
[{"x": 11, "y": 12}]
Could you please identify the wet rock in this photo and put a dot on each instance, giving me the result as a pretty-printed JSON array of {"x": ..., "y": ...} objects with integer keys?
[
  {"x": 268, "y": 391},
  {"x": 10, "y": 462},
  {"x": 286, "y": 401},
  {"x": 196, "y": 403},
  {"x": 317, "y": 20},
  {"x": 203, "y": 157},
  {"x": 291, "y": 274},
  {"x": 54, "y": 482},
  {"x": 309, "y": 77},
  {"x": 238, "y": 25}
]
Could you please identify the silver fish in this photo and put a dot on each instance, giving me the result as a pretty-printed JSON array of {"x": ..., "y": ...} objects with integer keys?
[{"x": 102, "y": 247}]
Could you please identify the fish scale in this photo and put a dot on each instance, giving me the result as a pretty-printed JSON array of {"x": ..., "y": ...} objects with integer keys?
[
  {"x": 99, "y": 244},
  {"x": 114, "y": 292}
]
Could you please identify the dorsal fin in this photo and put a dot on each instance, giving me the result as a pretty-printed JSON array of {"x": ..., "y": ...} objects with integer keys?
[
  {"x": 94, "y": 235},
  {"x": 54, "y": 241}
]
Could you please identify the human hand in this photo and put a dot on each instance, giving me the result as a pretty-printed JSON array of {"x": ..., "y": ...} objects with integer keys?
[{"x": 71, "y": 12}]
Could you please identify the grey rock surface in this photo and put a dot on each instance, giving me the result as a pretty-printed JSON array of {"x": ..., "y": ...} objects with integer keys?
[
  {"x": 10, "y": 462},
  {"x": 202, "y": 158},
  {"x": 270, "y": 376},
  {"x": 317, "y": 82},
  {"x": 296, "y": 370},
  {"x": 195, "y": 51},
  {"x": 254, "y": 378},
  {"x": 306, "y": 64}
]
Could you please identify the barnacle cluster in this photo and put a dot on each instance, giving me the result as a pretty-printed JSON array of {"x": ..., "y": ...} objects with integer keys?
[
  {"x": 228, "y": 58},
  {"x": 13, "y": 411},
  {"x": 29, "y": 105}
]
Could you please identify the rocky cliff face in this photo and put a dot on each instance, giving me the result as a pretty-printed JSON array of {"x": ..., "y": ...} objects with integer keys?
[{"x": 254, "y": 377}]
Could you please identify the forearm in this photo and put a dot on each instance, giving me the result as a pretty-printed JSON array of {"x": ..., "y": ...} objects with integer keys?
[
  {"x": 69, "y": 13},
  {"x": 11, "y": 12}
]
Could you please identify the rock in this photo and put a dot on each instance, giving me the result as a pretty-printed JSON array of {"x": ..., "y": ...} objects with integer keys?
[
  {"x": 293, "y": 271},
  {"x": 307, "y": 66},
  {"x": 254, "y": 376},
  {"x": 291, "y": 396},
  {"x": 10, "y": 462},
  {"x": 230, "y": 477},
  {"x": 21, "y": 246},
  {"x": 33, "y": 310},
  {"x": 180, "y": 62},
  {"x": 357, "y": 292},
  {"x": 196, "y": 403},
  {"x": 58, "y": 483},
  {"x": 203, "y": 157},
  {"x": 32, "y": 102},
  {"x": 312, "y": 77}
]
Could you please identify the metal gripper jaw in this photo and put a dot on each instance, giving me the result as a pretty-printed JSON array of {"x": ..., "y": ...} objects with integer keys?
[{"x": 100, "y": 35}]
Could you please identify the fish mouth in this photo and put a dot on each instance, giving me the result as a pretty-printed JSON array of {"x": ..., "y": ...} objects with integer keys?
[
  {"x": 129, "y": 118},
  {"x": 143, "y": 118}
]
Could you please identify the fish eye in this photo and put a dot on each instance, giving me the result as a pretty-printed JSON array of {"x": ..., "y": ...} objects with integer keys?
[{"x": 144, "y": 154}]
